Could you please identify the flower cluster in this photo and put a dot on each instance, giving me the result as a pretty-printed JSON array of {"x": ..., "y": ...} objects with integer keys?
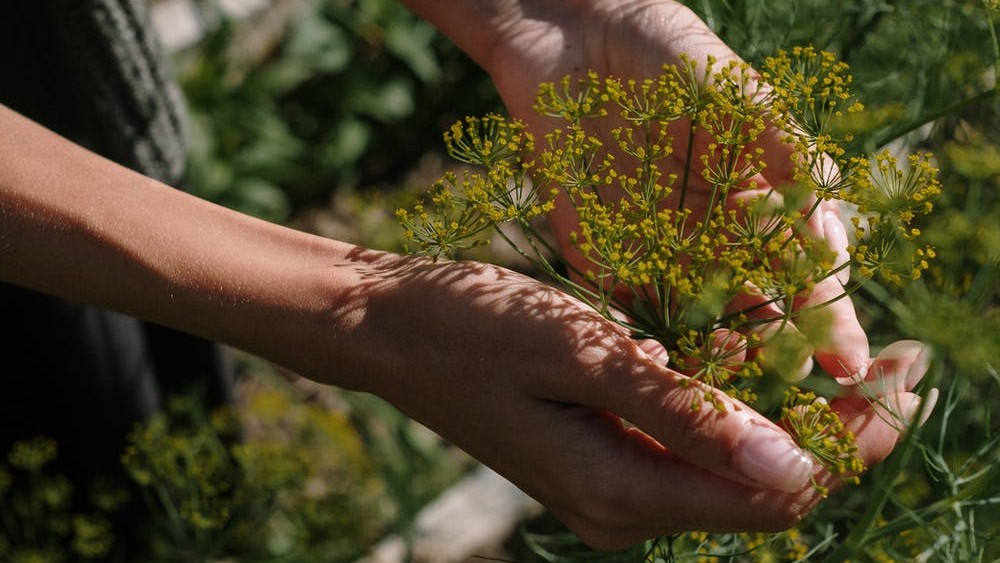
[
  {"x": 40, "y": 518},
  {"x": 683, "y": 233},
  {"x": 466, "y": 207},
  {"x": 275, "y": 477},
  {"x": 284, "y": 479},
  {"x": 888, "y": 199},
  {"x": 819, "y": 431}
]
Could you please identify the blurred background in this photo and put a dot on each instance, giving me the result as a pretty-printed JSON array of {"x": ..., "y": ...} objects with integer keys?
[{"x": 327, "y": 115}]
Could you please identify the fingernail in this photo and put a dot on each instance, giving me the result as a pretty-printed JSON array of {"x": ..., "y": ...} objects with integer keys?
[
  {"x": 856, "y": 377},
  {"x": 931, "y": 401},
  {"x": 913, "y": 406},
  {"x": 805, "y": 369},
  {"x": 769, "y": 457},
  {"x": 918, "y": 369},
  {"x": 901, "y": 365}
]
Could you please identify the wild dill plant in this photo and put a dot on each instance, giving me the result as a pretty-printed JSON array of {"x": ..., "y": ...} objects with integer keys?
[
  {"x": 674, "y": 225},
  {"x": 278, "y": 479},
  {"x": 39, "y": 519}
]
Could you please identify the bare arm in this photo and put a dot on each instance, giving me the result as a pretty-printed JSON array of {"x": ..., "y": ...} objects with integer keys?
[{"x": 81, "y": 227}]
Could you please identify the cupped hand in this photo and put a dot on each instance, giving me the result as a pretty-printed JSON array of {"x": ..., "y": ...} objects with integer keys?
[
  {"x": 568, "y": 407},
  {"x": 544, "y": 41}
]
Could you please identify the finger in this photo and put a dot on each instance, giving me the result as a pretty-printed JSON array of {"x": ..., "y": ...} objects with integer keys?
[
  {"x": 828, "y": 316},
  {"x": 901, "y": 409},
  {"x": 782, "y": 347},
  {"x": 898, "y": 367},
  {"x": 877, "y": 426},
  {"x": 841, "y": 343},
  {"x": 879, "y": 421},
  {"x": 655, "y": 351},
  {"x": 836, "y": 237},
  {"x": 666, "y": 494},
  {"x": 621, "y": 486},
  {"x": 733, "y": 440}
]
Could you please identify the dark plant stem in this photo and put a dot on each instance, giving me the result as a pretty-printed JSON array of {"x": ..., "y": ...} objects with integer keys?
[{"x": 687, "y": 166}]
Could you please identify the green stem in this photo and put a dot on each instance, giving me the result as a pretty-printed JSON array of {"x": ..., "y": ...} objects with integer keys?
[
  {"x": 879, "y": 140},
  {"x": 579, "y": 291},
  {"x": 926, "y": 514},
  {"x": 996, "y": 47},
  {"x": 687, "y": 166}
]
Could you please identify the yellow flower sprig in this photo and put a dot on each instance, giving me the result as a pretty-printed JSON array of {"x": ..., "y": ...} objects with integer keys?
[
  {"x": 663, "y": 175},
  {"x": 459, "y": 210},
  {"x": 889, "y": 198},
  {"x": 820, "y": 432}
]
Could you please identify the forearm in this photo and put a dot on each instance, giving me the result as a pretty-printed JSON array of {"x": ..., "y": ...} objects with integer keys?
[
  {"x": 474, "y": 25},
  {"x": 81, "y": 227}
]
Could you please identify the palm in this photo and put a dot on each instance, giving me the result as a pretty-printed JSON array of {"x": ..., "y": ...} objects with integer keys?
[
  {"x": 634, "y": 40},
  {"x": 568, "y": 41}
]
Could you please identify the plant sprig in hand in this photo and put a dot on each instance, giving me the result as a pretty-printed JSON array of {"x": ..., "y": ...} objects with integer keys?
[{"x": 685, "y": 246}]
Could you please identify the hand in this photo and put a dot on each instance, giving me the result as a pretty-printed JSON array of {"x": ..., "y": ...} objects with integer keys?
[
  {"x": 536, "y": 385},
  {"x": 545, "y": 41},
  {"x": 522, "y": 43}
]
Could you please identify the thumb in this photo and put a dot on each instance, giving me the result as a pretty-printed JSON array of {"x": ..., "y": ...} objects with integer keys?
[{"x": 700, "y": 424}]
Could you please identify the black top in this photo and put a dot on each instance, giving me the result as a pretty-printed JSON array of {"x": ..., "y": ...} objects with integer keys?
[{"x": 93, "y": 71}]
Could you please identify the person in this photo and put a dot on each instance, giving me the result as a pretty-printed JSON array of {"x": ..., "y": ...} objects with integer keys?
[{"x": 518, "y": 374}]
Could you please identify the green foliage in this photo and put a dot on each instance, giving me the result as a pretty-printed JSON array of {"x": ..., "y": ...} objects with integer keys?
[
  {"x": 39, "y": 520},
  {"x": 351, "y": 94},
  {"x": 282, "y": 479},
  {"x": 276, "y": 477},
  {"x": 415, "y": 465},
  {"x": 914, "y": 61}
]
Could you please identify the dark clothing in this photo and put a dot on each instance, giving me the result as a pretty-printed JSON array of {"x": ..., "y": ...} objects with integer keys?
[{"x": 92, "y": 71}]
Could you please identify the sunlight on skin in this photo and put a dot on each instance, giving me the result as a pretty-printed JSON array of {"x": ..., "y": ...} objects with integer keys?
[{"x": 499, "y": 364}]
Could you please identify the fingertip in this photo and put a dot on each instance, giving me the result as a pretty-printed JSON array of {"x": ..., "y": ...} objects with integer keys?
[
  {"x": 900, "y": 366},
  {"x": 845, "y": 354},
  {"x": 768, "y": 457},
  {"x": 829, "y": 317},
  {"x": 879, "y": 424},
  {"x": 875, "y": 430},
  {"x": 903, "y": 410},
  {"x": 805, "y": 369},
  {"x": 927, "y": 407},
  {"x": 848, "y": 366}
]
